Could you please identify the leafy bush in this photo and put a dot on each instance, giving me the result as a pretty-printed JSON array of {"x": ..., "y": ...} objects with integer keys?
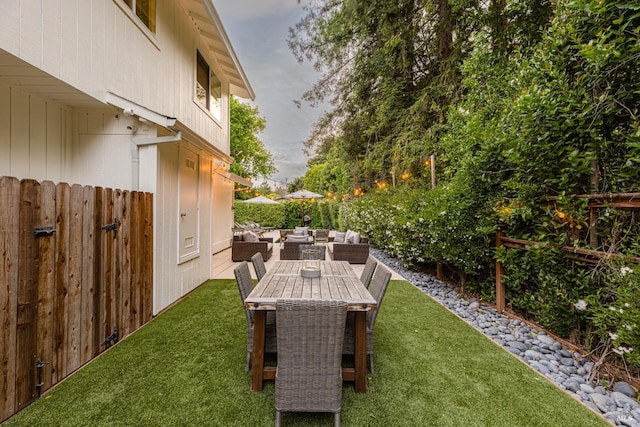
[
  {"x": 264, "y": 214},
  {"x": 615, "y": 311},
  {"x": 444, "y": 225}
]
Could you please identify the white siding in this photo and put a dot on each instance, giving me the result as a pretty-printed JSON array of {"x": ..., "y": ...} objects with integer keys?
[
  {"x": 222, "y": 220},
  {"x": 102, "y": 149},
  {"x": 97, "y": 47},
  {"x": 33, "y": 137},
  {"x": 173, "y": 279}
]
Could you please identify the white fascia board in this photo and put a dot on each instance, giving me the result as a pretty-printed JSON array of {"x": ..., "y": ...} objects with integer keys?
[
  {"x": 130, "y": 108},
  {"x": 245, "y": 91}
]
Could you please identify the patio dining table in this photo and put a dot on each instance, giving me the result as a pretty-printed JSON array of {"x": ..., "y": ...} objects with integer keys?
[{"x": 337, "y": 281}]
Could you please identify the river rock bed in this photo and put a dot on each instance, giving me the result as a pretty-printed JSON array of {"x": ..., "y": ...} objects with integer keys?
[{"x": 569, "y": 370}]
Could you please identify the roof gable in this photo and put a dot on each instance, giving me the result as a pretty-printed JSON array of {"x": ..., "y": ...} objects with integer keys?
[{"x": 207, "y": 21}]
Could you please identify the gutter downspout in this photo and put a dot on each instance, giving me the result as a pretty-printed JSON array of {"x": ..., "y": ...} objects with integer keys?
[{"x": 144, "y": 142}]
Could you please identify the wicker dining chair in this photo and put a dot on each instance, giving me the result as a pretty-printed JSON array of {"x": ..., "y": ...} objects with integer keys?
[
  {"x": 309, "y": 373},
  {"x": 377, "y": 288},
  {"x": 258, "y": 265},
  {"x": 367, "y": 272},
  {"x": 320, "y": 248},
  {"x": 245, "y": 286}
]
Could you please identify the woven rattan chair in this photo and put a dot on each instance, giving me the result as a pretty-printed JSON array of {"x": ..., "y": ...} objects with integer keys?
[
  {"x": 309, "y": 372},
  {"x": 245, "y": 286},
  {"x": 320, "y": 248},
  {"x": 377, "y": 288},
  {"x": 367, "y": 272},
  {"x": 321, "y": 236},
  {"x": 258, "y": 265}
]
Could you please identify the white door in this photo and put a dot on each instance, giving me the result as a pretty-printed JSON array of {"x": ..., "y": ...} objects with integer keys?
[{"x": 189, "y": 209}]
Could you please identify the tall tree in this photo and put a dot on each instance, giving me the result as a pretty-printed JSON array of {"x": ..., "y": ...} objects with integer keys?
[
  {"x": 390, "y": 70},
  {"x": 250, "y": 155}
]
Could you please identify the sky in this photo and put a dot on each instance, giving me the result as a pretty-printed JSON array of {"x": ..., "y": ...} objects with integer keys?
[{"x": 258, "y": 32}]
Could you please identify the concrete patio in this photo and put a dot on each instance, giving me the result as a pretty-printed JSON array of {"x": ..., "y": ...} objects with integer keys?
[{"x": 223, "y": 266}]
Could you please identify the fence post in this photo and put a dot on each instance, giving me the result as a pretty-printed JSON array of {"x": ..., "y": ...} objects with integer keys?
[
  {"x": 593, "y": 232},
  {"x": 500, "y": 294}
]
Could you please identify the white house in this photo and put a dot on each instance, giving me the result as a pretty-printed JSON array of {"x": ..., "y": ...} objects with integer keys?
[{"x": 128, "y": 94}]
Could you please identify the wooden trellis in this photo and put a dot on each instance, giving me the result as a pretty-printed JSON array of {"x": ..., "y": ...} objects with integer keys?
[{"x": 596, "y": 201}]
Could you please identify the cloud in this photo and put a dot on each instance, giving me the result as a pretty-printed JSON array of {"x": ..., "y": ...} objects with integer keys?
[
  {"x": 249, "y": 9},
  {"x": 258, "y": 30}
]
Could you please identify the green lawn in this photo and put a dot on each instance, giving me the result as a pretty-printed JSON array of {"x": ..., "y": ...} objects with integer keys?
[{"x": 186, "y": 367}]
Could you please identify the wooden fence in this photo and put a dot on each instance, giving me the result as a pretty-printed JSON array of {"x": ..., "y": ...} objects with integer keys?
[
  {"x": 75, "y": 276},
  {"x": 596, "y": 201}
]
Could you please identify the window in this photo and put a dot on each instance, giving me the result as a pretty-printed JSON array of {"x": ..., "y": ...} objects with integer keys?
[
  {"x": 208, "y": 88},
  {"x": 145, "y": 10}
]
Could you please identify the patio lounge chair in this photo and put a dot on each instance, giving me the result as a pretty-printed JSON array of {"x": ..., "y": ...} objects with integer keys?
[{"x": 309, "y": 372}]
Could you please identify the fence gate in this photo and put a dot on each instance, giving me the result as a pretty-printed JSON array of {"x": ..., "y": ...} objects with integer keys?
[{"x": 75, "y": 276}]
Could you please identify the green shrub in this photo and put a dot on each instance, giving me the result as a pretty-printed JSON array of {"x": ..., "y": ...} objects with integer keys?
[
  {"x": 614, "y": 311},
  {"x": 264, "y": 214}
]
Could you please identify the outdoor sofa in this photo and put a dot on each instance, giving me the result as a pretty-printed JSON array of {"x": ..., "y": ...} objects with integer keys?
[
  {"x": 290, "y": 249},
  {"x": 243, "y": 251},
  {"x": 355, "y": 253}
]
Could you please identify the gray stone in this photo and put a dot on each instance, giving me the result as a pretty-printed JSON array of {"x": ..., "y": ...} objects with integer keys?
[
  {"x": 587, "y": 388},
  {"x": 591, "y": 405},
  {"x": 566, "y": 361},
  {"x": 492, "y": 331},
  {"x": 612, "y": 416},
  {"x": 546, "y": 339},
  {"x": 600, "y": 389},
  {"x": 624, "y": 388},
  {"x": 621, "y": 399},
  {"x": 518, "y": 345},
  {"x": 603, "y": 402},
  {"x": 513, "y": 350},
  {"x": 565, "y": 353},
  {"x": 568, "y": 369},
  {"x": 573, "y": 386},
  {"x": 532, "y": 355}
]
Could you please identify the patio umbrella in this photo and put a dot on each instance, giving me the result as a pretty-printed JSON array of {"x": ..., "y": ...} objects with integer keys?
[
  {"x": 303, "y": 194},
  {"x": 262, "y": 200}
]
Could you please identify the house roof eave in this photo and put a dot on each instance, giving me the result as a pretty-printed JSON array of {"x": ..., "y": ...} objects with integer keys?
[{"x": 206, "y": 19}]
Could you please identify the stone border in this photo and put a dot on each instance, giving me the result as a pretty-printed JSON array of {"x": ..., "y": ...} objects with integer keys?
[{"x": 567, "y": 369}]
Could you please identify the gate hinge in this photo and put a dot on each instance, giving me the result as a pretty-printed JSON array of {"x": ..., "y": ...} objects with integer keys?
[{"x": 39, "y": 365}]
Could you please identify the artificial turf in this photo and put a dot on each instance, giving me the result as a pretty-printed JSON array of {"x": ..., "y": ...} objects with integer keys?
[{"x": 186, "y": 368}]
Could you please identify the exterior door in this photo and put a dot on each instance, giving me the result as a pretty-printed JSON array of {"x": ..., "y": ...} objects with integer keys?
[{"x": 189, "y": 209}]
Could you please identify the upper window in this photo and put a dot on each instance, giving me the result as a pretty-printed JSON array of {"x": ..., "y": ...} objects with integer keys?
[
  {"x": 146, "y": 11},
  {"x": 208, "y": 88}
]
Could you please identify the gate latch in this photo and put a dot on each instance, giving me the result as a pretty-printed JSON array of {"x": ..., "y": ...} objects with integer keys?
[{"x": 43, "y": 231}]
